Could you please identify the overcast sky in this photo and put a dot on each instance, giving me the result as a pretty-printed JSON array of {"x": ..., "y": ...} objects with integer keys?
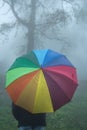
[{"x": 77, "y": 34}]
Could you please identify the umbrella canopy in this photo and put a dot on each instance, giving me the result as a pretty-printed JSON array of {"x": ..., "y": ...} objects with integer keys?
[{"x": 41, "y": 81}]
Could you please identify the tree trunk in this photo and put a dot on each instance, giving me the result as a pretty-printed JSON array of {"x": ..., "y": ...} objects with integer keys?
[{"x": 31, "y": 27}]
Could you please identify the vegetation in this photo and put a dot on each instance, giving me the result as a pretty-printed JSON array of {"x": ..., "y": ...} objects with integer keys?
[{"x": 70, "y": 117}]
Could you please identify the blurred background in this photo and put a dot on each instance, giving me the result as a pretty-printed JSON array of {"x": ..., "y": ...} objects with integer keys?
[{"x": 60, "y": 25}]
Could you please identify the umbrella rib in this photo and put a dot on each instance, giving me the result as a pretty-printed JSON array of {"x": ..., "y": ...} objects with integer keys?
[
  {"x": 54, "y": 99},
  {"x": 58, "y": 85},
  {"x": 55, "y": 72},
  {"x": 45, "y": 77}
]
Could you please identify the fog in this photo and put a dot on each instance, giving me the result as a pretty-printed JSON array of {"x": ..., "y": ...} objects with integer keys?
[
  {"x": 78, "y": 56},
  {"x": 75, "y": 33}
]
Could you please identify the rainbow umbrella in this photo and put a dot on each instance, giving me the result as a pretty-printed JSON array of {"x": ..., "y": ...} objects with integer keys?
[{"x": 41, "y": 81}]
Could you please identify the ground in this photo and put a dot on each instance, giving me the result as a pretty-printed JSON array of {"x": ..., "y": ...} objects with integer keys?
[{"x": 72, "y": 116}]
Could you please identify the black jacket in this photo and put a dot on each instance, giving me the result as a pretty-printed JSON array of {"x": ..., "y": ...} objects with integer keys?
[{"x": 25, "y": 118}]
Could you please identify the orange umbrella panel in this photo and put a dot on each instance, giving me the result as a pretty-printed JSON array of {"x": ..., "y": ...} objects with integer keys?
[{"x": 41, "y": 81}]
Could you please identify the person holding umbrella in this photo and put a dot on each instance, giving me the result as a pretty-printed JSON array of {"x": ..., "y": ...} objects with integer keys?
[
  {"x": 40, "y": 81},
  {"x": 27, "y": 120}
]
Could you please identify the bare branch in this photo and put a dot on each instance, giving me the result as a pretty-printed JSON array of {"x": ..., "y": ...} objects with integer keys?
[
  {"x": 1, "y": 6},
  {"x": 68, "y": 1},
  {"x": 47, "y": 36},
  {"x": 11, "y": 4}
]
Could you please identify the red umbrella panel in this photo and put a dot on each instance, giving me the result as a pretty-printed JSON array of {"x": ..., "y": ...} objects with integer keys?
[{"x": 41, "y": 81}]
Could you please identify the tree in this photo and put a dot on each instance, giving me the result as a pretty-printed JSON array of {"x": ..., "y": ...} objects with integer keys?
[
  {"x": 38, "y": 19},
  {"x": 82, "y": 13}
]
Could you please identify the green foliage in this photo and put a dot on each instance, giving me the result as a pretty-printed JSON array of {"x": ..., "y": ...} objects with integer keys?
[
  {"x": 72, "y": 116},
  {"x": 7, "y": 121}
]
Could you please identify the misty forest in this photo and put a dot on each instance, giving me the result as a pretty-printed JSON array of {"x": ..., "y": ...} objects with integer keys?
[{"x": 60, "y": 25}]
